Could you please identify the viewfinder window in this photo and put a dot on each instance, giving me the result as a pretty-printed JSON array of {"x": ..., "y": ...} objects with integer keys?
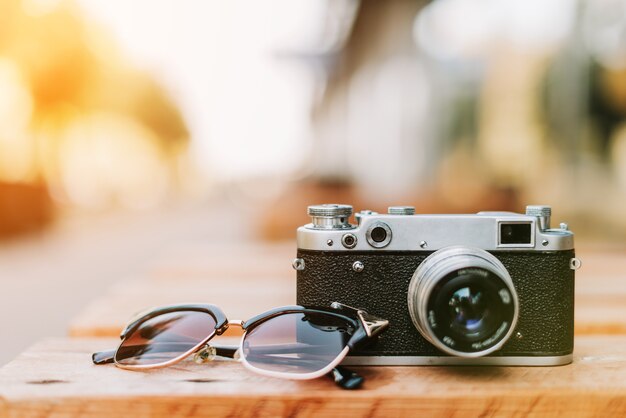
[{"x": 515, "y": 233}]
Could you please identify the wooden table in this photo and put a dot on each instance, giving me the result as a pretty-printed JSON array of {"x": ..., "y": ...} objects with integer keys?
[{"x": 55, "y": 378}]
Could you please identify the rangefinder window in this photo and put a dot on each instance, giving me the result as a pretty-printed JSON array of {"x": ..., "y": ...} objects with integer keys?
[{"x": 515, "y": 233}]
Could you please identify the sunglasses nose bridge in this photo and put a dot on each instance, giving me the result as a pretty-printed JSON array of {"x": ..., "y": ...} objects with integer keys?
[
  {"x": 236, "y": 323},
  {"x": 227, "y": 324}
]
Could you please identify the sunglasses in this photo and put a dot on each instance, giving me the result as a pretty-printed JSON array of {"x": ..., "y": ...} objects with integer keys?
[{"x": 292, "y": 342}]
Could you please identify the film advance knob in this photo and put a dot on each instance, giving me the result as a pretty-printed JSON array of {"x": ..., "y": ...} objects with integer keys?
[
  {"x": 401, "y": 210},
  {"x": 330, "y": 216},
  {"x": 542, "y": 212}
]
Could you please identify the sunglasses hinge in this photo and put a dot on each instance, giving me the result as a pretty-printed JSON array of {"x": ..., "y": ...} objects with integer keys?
[
  {"x": 206, "y": 354},
  {"x": 372, "y": 324}
]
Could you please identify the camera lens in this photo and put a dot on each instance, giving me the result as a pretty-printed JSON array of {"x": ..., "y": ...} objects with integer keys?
[
  {"x": 468, "y": 309},
  {"x": 463, "y": 301}
]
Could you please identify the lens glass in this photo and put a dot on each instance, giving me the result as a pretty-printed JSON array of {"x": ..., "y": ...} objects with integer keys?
[
  {"x": 298, "y": 342},
  {"x": 471, "y": 310},
  {"x": 164, "y": 338}
]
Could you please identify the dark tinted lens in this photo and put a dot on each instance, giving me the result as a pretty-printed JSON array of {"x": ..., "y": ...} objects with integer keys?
[
  {"x": 165, "y": 337},
  {"x": 302, "y": 342}
]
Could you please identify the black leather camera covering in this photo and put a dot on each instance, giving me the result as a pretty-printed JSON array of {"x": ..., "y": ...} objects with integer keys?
[{"x": 543, "y": 280}]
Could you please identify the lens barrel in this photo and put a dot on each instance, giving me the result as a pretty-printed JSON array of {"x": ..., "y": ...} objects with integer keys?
[{"x": 463, "y": 301}]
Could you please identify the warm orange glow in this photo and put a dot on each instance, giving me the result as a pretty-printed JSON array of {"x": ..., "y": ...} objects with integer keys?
[
  {"x": 39, "y": 7},
  {"x": 109, "y": 158},
  {"x": 76, "y": 115},
  {"x": 16, "y": 105}
]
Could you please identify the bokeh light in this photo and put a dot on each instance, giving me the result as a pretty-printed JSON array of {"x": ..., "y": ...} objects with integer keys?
[{"x": 16, "y": 107}]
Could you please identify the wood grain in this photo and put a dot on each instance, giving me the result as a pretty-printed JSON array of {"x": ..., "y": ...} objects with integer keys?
[
  {"x": 240, "y": 299},
  {"x": 244, "y": 281},
  {"x": 202, "y": 274},
  {"x": 55, "y": 378}
]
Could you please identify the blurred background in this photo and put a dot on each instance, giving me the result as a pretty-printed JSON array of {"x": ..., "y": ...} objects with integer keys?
[{"x": 127, "y": 128}]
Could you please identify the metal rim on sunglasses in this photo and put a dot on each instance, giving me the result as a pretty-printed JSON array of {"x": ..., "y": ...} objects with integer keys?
[{"x": 221, "y": 324}]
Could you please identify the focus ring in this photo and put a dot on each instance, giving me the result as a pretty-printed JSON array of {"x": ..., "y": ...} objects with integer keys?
[{"x": 435, "y": 269}]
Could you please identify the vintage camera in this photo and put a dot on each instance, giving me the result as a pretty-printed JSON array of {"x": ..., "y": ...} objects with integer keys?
[{"x": 492, "y": 288}]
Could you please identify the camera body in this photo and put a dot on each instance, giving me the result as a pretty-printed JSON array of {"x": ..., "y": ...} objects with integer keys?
[{"x": 493, "y": 288}]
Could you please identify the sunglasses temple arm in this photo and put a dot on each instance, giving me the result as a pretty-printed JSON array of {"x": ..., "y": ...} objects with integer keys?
[
  {"x": 103, "y": 357},
  {"x": 229, "y": 351},
  {"x": 346, "y": 379}
]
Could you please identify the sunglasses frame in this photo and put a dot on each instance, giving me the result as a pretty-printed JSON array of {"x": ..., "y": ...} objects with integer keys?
[
  {"x": 367, "y": 327},
  {"x": 221, "y": 325}
]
